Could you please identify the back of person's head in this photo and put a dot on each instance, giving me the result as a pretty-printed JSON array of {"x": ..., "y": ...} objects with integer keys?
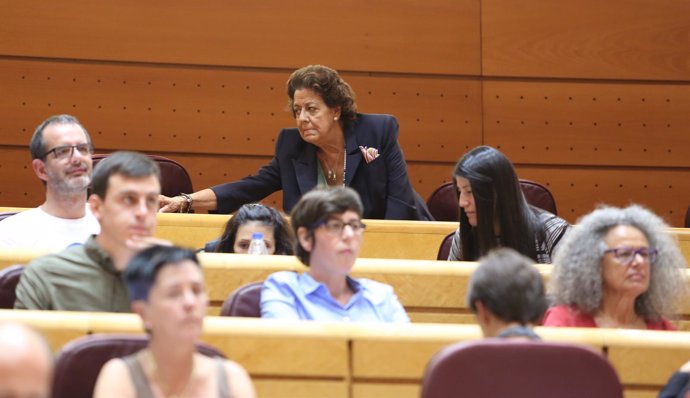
[
  {"x": 125, "y": 163},
  {"x": 140, "y": 274},
  {"x": 37, "y": 145},
  {"x": 497, "y": 197},
  {"x": 265, "y": 215},
  {"x": 508, "y": 285},
  {"x": 325, "y": 82},
  {"x": 316, "y": 207},
  {"x": 26, "y": 363}
]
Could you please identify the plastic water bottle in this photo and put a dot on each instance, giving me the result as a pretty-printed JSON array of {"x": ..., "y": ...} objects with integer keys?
[{"x": 257, "y": 245}]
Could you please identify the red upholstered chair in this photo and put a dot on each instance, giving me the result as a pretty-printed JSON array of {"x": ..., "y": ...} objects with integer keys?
[
  {"x": 79, "y": 362},
  {"x": 245, "y": 301},
  {"x": 444, "y": 249},
  {"x": 9, "y": 278},
  {"x": 174, "y": 177},
  {"x": 443, "y": 202},
  {"x": 538, "y": 195},
  {"x": 519, "y": 369}
]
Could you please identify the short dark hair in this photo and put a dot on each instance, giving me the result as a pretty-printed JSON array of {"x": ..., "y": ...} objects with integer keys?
[
  {"x": 326, "y": 82},
  {"x": 37, "y": 145},
  {"x": 265, "y": 215},
  {"x": 319, "y": 205},
  {"x": 498, "y": 198},
  {"x": 129, "y": 164},
  {"x": 141, "y": 272},
  {"x": 508, "y": 284}
]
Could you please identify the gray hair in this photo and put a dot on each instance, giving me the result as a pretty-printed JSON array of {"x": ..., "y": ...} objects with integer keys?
[
  {"x": 577, "y": 274},
  {"x": 37, "y": 145}
]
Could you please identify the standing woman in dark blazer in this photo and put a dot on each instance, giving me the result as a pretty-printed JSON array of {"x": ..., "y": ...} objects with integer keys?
[{"x": 333, "y": 145}]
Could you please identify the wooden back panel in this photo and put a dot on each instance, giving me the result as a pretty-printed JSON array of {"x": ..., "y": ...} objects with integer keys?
[
  {"x": 588, "y": 97},
  {"x": 623, "y": 40},
  {"x": 400, "y": 37}
]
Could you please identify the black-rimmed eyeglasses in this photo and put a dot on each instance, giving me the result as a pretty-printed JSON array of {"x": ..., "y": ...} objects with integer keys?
[
  {"x": 336, "y": 227},
  {"x": 66, "y": 151}
]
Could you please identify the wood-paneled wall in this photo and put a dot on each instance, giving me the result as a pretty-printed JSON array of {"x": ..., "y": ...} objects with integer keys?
[{"x": 589, "y": 98}]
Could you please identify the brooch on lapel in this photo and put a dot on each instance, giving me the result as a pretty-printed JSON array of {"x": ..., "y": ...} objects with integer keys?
[{"x": 370, "y": 154}]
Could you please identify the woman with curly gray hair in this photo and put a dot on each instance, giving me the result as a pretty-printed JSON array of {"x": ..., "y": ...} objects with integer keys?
[{"x": 618, "y": 268}]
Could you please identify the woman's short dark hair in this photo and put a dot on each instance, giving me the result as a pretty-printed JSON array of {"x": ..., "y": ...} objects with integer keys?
[
  {"x": 326, "y": 82},
  {"x": 508, "y": 284},
  {"x": 319, "y": 205},
  {"x": 141, "y": 272},
  {"x": 265, "y": 215},
  {"x": 497, "y": 196}
]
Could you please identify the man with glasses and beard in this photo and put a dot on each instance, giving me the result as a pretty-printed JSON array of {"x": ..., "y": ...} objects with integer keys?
[{"x": 61, "y": 150}]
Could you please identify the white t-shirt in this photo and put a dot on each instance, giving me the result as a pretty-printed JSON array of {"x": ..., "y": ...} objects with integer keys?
[{"x": 36, "y": 229}]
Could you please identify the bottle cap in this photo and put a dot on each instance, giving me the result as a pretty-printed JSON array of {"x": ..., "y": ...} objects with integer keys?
[{"x": 257, "y": 235}]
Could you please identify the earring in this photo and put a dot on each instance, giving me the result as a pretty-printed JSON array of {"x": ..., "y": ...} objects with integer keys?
[{"x": 335, "y": 118}]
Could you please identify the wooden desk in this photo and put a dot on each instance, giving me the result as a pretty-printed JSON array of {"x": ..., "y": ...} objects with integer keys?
[
  {"x": 285, "y": 360},
  {"x": 430, "y": 291},
  {"x": 313, "y": 359},
  {"x": 415, "y": 240},
  {"x": 382, "y": 238}
]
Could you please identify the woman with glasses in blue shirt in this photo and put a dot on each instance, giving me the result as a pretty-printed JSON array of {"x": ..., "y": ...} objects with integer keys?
[
  {"x": 617, "y": 268},
  {"x": 328, "y": 226}
]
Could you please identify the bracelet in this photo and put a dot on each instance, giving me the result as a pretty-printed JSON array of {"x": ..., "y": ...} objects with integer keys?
[{"x": 189, "y": 200}]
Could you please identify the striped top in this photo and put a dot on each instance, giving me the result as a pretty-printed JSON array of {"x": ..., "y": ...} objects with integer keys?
[{"x": 554, "y": 229}]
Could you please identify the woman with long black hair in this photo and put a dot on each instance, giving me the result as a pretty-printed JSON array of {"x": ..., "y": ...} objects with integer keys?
[{"x": 494, "y": 212}]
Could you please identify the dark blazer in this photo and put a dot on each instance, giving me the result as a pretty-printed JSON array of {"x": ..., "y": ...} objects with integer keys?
[{"x": 382, "y": 184}]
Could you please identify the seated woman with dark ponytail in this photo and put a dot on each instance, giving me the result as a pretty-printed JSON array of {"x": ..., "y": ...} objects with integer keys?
[
  {"x": 250, "y": 218},
  {"x": 494, "y": 212}
]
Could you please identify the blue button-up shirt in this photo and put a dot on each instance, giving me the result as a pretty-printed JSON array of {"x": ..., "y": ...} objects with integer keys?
[{"x": 289, "y": 295}]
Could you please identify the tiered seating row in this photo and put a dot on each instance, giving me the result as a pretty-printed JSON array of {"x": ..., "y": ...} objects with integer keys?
[
  {"x": 310, "y": 359},
  {"x": 382, "y": 238},
  {"x": 431, "y": 291}
]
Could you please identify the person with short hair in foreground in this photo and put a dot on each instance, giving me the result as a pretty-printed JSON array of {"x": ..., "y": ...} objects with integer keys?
[
  {"x": 506, "y": 293},
  {"x": 328, "y": 226},
  {"x": 166, "y": 288},
  {"x": 618, "y": 268},
  {"x": 26, "y": 362}
]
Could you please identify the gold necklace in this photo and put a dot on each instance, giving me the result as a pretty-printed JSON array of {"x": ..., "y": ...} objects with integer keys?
[
  {"x": 150, "y": 361},
  {"x": 331, "y": 174}
]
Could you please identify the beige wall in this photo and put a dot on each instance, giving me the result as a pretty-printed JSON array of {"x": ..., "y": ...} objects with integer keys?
[{"x": 589, "y": 98}]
